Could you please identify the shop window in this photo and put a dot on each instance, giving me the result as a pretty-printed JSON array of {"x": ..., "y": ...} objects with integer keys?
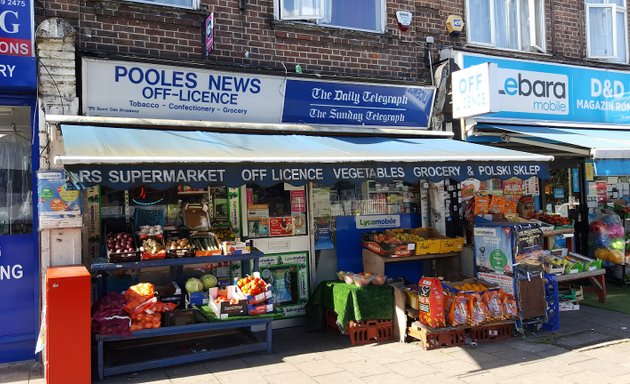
[
  {"x": 276, "y": 211},
  {"x": 16, "y": 207},
  {"x": 606, "y": 30},
  {"x": 192, "y": 4},
  {"x": 363, "y": 15},
  {"x": 507, "y": 24}
]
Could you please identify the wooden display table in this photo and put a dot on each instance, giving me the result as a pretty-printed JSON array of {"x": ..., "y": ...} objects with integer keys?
[
  {"x": 597, "y": 278},
  {"x": 375, "y": 263}
]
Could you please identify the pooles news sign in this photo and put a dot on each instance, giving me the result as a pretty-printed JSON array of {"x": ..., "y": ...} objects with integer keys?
[
  {"x": 527, "y": 90},
  {"x": 17, "y": 64}
]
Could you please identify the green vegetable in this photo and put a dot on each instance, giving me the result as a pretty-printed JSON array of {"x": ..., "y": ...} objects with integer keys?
[
  {"x": 194, "y": 285},
  {"x": 208, "y": 281}
]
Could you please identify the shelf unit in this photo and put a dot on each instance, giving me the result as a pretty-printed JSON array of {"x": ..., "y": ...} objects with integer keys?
[{"x": 209, "y": 328}]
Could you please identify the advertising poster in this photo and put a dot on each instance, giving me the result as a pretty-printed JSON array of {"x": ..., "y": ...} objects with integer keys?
[
  {"x": 281, "y": 226},
  {"x": 493, "y": 255},
  {"x": 513, "y": 187},
  {"x": 288, "y": 275},
  {"x": 57, "y": 206},
  {"x": 469, "y": 188}
]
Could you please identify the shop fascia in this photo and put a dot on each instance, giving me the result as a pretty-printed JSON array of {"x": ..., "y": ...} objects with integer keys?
[
  {"x": 168, "y": 92},
  {"x": 500, "y": 90}
]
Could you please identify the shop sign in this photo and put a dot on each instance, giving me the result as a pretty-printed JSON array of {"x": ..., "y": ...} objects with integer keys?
[
  {"x": 529, "y": 90},
  {"x": 353, "y": 104},
  {"x": 18, "y": 286},
  {"x": 471, "y": 90},
  {"x": 123, "y": 89},
  {"x": 234, "y": 175},
  {"x": 17, "y": 64},
  {"x": 378, "y": 221}
]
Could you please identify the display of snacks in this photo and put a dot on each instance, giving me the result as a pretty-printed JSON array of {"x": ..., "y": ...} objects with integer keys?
[{"x": 120, "y": 247}]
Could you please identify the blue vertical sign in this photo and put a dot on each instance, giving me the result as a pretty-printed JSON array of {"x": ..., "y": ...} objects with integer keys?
[{"x": 17, "y": 61}]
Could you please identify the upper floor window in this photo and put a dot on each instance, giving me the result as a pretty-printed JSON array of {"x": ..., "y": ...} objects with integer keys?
[
  {"x": 364, "y": 15},
  {"x": 507, "y": 24},
  {"x": 606, "y": 30},
  {"x": 192, "y": 4}
]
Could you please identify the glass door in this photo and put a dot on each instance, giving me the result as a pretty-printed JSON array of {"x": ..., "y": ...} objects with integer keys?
[{"x": 19, "y": 271}]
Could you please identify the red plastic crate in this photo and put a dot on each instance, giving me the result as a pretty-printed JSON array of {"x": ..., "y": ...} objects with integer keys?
[
  {"x": 331, "y": 320},
  {"x": 369, "y": 331},
  {"x": 492, "y": 332}
]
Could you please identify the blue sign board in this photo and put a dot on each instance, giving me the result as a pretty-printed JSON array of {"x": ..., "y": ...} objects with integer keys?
[
  {"x": 332, "y": 103},
  {"x": 19, "y": 292},
  {"x": 234, "y": 175},
  {"x": 558, "y": 92},
  {"x": 17, "y": 64}
]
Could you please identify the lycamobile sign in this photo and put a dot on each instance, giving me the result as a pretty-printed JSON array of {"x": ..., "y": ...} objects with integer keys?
[{"x": 378, "y": 221}]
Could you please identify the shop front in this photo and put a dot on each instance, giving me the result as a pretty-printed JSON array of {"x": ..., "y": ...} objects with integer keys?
[
  {"x": 19, "y": 160},
  {"x": 578, "y": 115}
]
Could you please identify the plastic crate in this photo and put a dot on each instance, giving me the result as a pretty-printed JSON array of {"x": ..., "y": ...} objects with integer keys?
[
  {"x": 331, "y": 320},
  {"x": 439, "y": 338},
  {"x": 369, "y": 331},
  {"x": 553, "y": 303},
  {"x": 492, "y": 332}
]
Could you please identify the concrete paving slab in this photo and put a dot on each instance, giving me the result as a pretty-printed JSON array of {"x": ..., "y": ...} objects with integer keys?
[{"x": 294, "y": 377}]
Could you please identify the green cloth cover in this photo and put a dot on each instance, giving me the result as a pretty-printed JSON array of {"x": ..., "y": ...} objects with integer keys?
[{"x": 350, "y": 302}]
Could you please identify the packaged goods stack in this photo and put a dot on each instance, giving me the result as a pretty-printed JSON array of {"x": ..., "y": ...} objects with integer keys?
[{"x": 450, "y": 312}]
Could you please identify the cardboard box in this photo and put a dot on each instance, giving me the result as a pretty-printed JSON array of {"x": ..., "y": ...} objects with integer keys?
[
  {"x": 196, "y": 218},
  {"x": 197, "y": 298},
  {"x": 259, "y": 309},
  {"x": 226, "y": 309},
  {"x": 260, "y": 298},
  {"x": 450, "y": 285},
  {"x": 236, "y": 247}
]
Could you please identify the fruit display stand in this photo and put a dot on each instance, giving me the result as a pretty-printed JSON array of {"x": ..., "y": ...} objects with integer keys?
[
  {"x": 365, "y": 313},
  {"x": 597, "y": 277},
  {"x": 182, "y": 333}
]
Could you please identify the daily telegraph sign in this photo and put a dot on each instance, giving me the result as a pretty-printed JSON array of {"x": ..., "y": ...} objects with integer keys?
[
  {"x": 336, "y": 103},
  {"x": 124, "y": 89},
  {"x": 235, "y": 175},
  {"x": 17, "y": 64},
  {"x": 528, "y": 90}
]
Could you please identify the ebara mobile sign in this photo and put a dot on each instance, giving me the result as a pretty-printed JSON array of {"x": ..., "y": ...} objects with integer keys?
[{"x": 530, "y": 90}]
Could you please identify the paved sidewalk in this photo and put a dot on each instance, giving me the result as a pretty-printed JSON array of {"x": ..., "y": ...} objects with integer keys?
[{"x": 593, "y": 344}]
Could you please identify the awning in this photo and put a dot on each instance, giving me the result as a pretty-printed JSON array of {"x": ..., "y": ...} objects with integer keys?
[
  {"x": 121, "y": 158},
  {"x": 610, "y": 149}
]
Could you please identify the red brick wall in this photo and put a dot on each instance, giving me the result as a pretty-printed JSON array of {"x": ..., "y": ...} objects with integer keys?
[
  {"x": 108, "y": 27},
  {"x": 119, "y": 28}
]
